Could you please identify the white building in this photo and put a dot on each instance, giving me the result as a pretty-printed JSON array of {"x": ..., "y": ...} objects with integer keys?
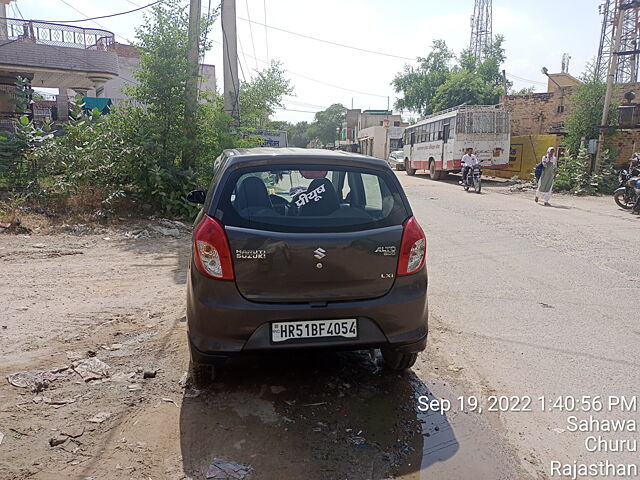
[{"x": 128, "y": 63}]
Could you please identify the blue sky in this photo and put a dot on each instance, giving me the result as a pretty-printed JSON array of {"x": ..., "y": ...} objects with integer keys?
[{"x": 537, "y": 34}]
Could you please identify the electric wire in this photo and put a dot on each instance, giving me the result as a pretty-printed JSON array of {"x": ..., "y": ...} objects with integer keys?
[
  {"x": 292, "y": 110},
  {"x": 18, "y": 9},
  {"x": 245, "y": 61},
  {"x": 322, "y": 82},
  {"x": 516, "y": 77},
  {"x": 246, "y": 2},
  {"x": 103, "y": 16},
  {"x": 328, "y": 41},
  {"x": 266, "y": 31},
  {"x": 94, "y": 21}
]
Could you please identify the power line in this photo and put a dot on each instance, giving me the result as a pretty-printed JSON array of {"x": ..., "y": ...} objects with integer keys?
[
  {"x": 321, "y": 82},
  {"x": 246, "y": 2},
  {"x": 516, "y": 77},
  {"x": 292, "y": 110},
  {"x": 328, "y": 41},
  {"x": 266, "y": 34},
  {"x": 245, "y": 60},
  {"x": 103, "y": 16},
  {"x": 18, "y": 8},
  {"x": 94, "y": 21},
  {"x": 305, "y": 104}
]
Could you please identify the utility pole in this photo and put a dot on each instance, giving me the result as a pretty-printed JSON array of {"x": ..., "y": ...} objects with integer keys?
[
  {"x": 191, "y": 90},
  {"x": 230, "y": 60},
  {"x": 613, "y": 64},
  {"x": 504, "y": 82}
]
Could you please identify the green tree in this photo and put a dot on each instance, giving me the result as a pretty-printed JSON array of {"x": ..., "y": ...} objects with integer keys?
[
  {"x": 418, "y": 85},
  {"x": 297, "y": 134},
  {"x": 163, "y": 43},
  {"x": 474, "y": 82},
  {"x": 326, "y": 123},
  {"x": 436, "y": 84},
  {"x": 262, "y": 95},
  {"x": 587, "y": 104},
  {"x": 523, "y": 91}
]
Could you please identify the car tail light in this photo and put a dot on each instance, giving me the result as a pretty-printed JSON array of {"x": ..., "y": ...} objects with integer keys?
[
  {"x": 413, "y": 248},
  {"x": 212, "y": 253}
]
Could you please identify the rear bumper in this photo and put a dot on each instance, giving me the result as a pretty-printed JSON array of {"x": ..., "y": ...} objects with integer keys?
[{"x": 222, "y": 323}]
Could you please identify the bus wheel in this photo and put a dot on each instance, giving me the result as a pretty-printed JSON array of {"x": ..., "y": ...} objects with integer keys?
[
  {"x": 433, "y": 173},
  {"x": 410, "y": 171}
]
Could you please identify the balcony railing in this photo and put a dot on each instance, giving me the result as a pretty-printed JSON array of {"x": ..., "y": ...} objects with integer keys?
[{"x": 46, "y": 33}]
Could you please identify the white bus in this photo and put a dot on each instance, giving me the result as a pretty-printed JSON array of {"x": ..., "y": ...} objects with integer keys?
[{"x": 437, "y": 142}]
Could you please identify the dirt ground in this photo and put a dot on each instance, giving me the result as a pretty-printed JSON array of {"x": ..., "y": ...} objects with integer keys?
[{"x": 84, "y": 293}]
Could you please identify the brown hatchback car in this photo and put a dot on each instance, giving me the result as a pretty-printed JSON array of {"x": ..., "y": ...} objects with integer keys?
[{"x": 299, "y": 249}]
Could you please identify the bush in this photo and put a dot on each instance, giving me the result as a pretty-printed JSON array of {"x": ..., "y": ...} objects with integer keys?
[{"x": 574, "y": 177}]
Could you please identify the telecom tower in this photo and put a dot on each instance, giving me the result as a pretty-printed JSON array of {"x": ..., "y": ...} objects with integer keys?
[
  {"x": 481, "y": 26},
  {"x": 628, "y": 54}
]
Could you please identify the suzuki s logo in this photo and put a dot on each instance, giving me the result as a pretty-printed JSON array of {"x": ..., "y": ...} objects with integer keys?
[{"x": 319, "y": 253}]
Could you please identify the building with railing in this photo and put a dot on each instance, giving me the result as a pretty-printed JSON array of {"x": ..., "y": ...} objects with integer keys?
[{"x": 53, "y": 55}]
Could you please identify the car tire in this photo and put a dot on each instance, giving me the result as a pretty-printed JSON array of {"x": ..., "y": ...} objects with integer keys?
[
  {"x": 397, "y": 361},
  {"x": 202, "y": 375}
]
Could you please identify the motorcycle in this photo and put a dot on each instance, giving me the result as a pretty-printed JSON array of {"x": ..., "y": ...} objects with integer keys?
[
  {"x": 473, "y": 180},
  {"x": 627, "y": 193}
]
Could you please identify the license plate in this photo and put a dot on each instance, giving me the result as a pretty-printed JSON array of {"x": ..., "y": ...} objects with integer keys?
[{"x": 282, "y": 331}]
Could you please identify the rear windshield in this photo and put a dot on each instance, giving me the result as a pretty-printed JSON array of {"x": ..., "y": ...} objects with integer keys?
[{"x": 302, "y": 198}]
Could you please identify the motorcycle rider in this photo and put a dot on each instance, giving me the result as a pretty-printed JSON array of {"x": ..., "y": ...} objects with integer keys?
[{"x": 469, "y": 160}]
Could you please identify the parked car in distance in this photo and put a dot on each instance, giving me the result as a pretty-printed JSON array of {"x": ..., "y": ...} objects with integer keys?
[
  {"x": 304, "y": 249},
  {"x": 396, "y": 160}
]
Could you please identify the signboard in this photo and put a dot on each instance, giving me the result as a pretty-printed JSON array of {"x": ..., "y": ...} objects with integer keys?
[{"x": 269, "y": 138}]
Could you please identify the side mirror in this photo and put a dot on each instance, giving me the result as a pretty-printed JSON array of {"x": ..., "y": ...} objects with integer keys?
[{"x": 196, "y": 196}]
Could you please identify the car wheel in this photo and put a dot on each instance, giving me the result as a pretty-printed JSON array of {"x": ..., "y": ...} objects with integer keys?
[
  {"x": 202, "y": 375},
  {"x": 397, "y": 361}
]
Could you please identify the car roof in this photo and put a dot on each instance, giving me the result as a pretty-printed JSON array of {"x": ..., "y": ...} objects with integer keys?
[{"x": 247, "y": 155}]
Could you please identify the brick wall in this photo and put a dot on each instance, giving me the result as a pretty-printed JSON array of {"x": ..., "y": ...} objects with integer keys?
[
  {"x": 626, "y": 142},
  {"x": 124, "y": 50},
  {"x": 538, "y": 113}
]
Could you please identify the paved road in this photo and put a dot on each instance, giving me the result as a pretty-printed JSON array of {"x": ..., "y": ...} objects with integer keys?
[{"x": 531, "y": 301}]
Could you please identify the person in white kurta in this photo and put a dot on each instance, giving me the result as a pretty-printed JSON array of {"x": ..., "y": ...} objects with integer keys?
[
  {"x": 545, "y": 184},
  {"x": 468, "y": 161}
]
